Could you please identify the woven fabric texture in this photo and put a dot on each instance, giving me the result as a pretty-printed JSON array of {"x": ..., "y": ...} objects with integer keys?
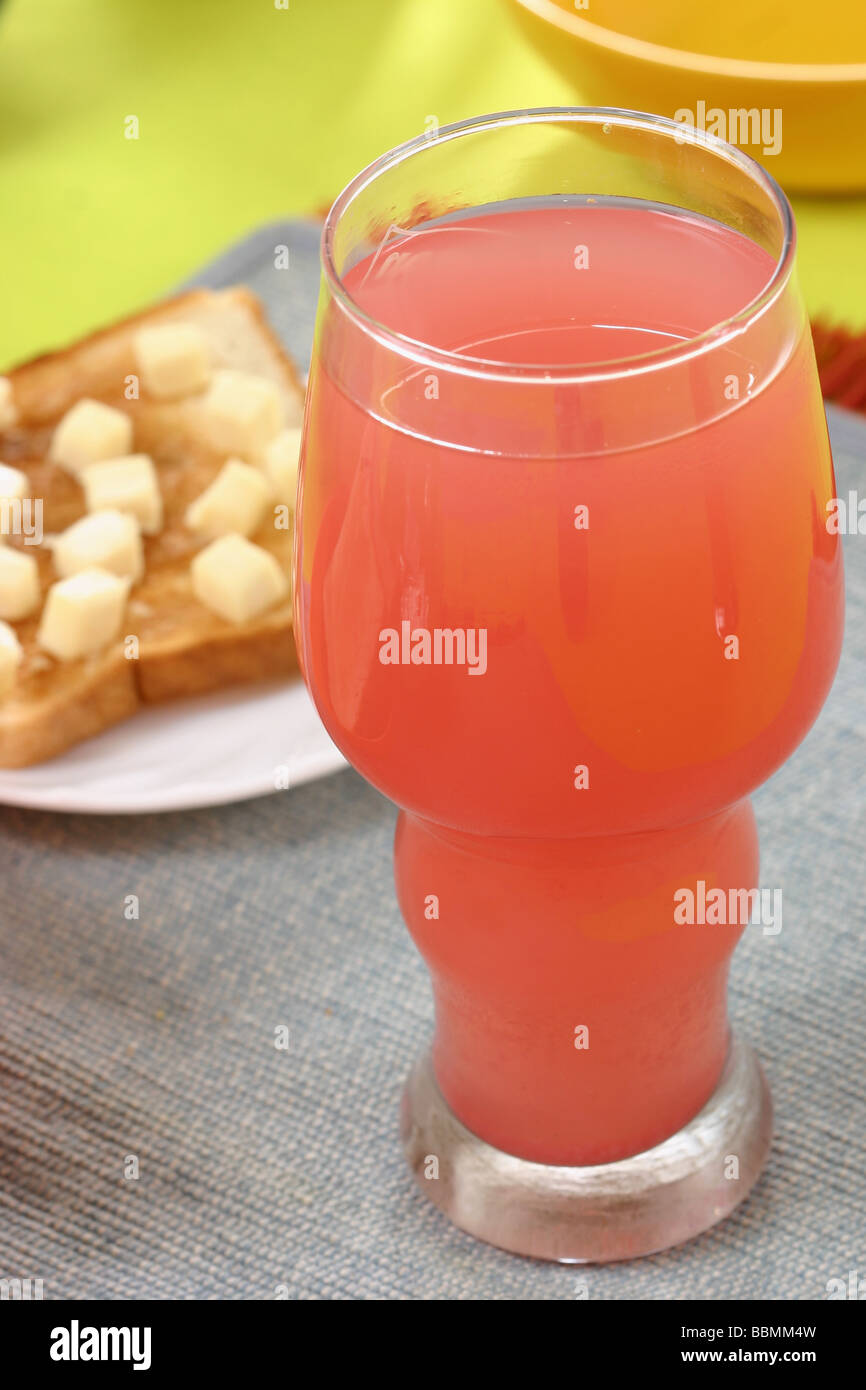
[{"x": 265, "y": 1172}]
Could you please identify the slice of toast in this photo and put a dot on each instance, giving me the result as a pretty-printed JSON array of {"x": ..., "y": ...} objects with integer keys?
[{"x": 183, "y": 647}]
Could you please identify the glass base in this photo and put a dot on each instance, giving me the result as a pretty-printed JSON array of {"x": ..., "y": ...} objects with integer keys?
[{"x": 611, "y": 1211}]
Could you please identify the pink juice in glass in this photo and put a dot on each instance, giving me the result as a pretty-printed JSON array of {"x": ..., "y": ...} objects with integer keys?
[{"x": 650, "y": 621}]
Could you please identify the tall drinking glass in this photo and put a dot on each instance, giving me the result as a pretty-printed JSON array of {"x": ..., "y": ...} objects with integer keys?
[{"x": 565, "y": 593}]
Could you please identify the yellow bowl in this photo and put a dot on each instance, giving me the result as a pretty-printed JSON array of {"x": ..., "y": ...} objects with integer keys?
[{"x": 764, "y": 74}]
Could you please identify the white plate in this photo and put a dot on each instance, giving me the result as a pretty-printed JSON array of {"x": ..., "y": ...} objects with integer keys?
[{"x": 220, "y": 748}]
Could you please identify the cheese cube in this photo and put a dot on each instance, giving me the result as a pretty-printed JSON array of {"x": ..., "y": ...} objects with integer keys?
[
  {"x": 8, "y": 411},
  {"x": 19, "y": 584},
  {"x": 173, "y": 359},
  {"x": 125, "y": 485},
  {"x": 280, "y": 461},
  {"x": 13, "y": 483},
  {"x": 82, "y": 614},
  {"x": 109, "y": 540},
  {"x": 88, "y": 432},
  {"x": 10, "y": 658},
  {"x": 243, "y": 412},
  {"x": 236, "y": 579},
  {"x": 236, "y": 500},
  {"x": 13, "y": 486}
]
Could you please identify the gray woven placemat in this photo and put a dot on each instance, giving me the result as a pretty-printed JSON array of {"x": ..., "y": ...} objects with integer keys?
[{"x": 266, "y": 1172}]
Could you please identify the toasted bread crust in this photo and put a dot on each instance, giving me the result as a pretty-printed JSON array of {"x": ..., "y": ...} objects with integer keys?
[
  {"x": 103, "y": 693},
  {"x": 182, "y": 648},
  {"x": 44, "y": 388},
  {"x": 175, "y": 670}
]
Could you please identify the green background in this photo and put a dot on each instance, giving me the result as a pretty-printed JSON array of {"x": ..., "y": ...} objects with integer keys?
[{"x": 248, "y": 112}]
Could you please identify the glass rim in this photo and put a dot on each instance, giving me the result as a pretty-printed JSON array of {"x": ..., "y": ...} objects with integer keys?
[{"x": 427, "y": 354}]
